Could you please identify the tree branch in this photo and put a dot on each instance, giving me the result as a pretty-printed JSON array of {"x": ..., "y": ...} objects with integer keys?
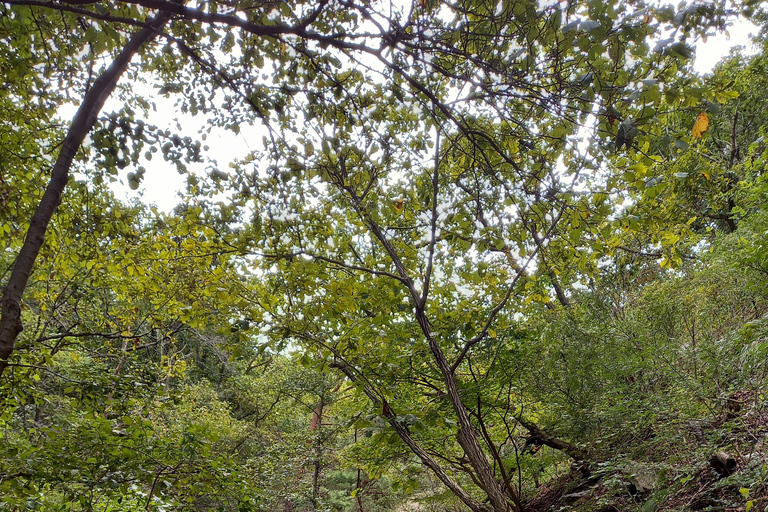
[
  {"x": 433, "y": 226},
  {"x": 82, "y": 123}
]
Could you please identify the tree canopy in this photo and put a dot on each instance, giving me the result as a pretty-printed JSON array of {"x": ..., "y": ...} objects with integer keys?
[{"x": 451, "y": 224}]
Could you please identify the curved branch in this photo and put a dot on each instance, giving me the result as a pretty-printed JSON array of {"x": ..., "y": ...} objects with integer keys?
[
  {"x": 418, "y": 450},
  {"x": 58, "y": 6},
  {"x": 433, "y": 222}
]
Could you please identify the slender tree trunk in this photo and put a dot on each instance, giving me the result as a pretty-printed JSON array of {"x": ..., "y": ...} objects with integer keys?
[
  {"x": 116, "y": 374},
  {"x": 359, "y": 495},
  {"x": 316, "y": 480},
  {"x": 359, "y": 484},
  {"x": 467, "y": 436},
  {"x": 405, "y": 435},
  {"x": 317, "y": 462},
  {"x": 82, "y": 123}
]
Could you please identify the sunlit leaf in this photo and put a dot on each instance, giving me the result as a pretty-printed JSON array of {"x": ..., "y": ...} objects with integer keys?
[{"x": 700, "y": 126}]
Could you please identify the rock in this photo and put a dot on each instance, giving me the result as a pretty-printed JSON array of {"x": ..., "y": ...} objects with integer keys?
[{"x": 642, "y": 479}]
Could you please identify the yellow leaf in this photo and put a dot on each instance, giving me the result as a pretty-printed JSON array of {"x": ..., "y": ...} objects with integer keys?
[
  {"x": 700, "y": 126},
  {"x": 706, "y": 175}
]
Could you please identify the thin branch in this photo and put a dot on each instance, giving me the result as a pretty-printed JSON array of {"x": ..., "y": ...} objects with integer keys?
[
  {"x": 60, "y": 6},
  {"x": 109, "y": 336},
  {"x": 357, "y": 267},
  {"x": 433, "y": 227},
  {"x": 734, "y": 146},
  {"x": 496, "y": 310},
  {"x": 48, "y": 370}
]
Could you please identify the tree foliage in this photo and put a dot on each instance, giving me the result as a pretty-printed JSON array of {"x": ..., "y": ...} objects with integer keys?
[{"x": 447, "y": 199}]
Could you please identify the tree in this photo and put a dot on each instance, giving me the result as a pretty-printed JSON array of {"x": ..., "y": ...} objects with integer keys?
[
  {"x": 387, "y": 262},
  {"x": 426, "y": 180},
  {"x": 699, "y": 185},
  {"x": 10, "y": 321}
]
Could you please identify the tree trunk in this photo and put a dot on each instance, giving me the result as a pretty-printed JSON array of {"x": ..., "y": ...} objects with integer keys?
[
  {"x": 317, "y": 462},
  {"x": 405, "y": 435},
  {"x": 82, "y": 123},
  {"x": 467, "y": 436}
]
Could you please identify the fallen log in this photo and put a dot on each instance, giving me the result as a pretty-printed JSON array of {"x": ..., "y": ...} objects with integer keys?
[{"x": 722, "y": 463}]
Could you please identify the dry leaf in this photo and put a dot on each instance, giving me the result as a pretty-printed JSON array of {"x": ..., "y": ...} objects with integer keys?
[{"x": 700, "y": 126}]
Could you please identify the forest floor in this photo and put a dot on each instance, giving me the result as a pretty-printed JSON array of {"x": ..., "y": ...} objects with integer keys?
[{"x": 727, "y": 472}]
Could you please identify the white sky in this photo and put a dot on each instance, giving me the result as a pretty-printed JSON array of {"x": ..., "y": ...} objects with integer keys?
[
  {"x": 710, "y": 53},
  {"x": 161, "y": 184}
]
